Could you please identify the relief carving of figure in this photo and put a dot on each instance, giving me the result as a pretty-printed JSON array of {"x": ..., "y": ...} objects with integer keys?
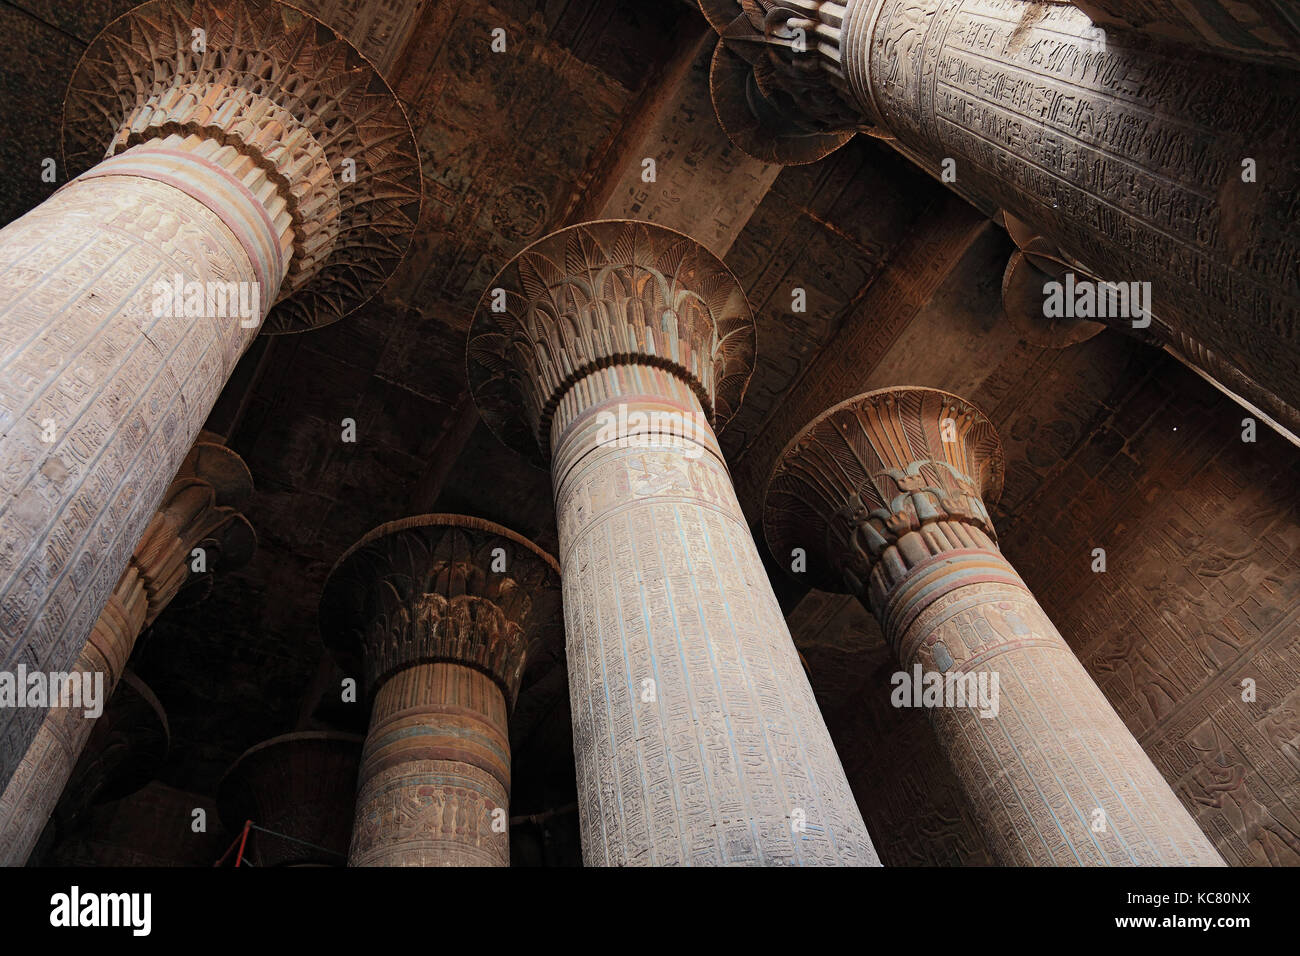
[
  {"x": 1222, "y": 781},
  {"x": 1124, "y": 653}
]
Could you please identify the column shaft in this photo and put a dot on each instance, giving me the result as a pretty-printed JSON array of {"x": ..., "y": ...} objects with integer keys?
[
  {"x": 1053, "y": 775},
  {"x": 439, "y": 613},
  {"x": 102, "y": 388},
  {"x": 200, "y": 509},
  {"x": 610, "y": 350},
  {"x": 34, "y": 789},
  {"x": 696, "y": 733},
  {"x": 435, "y": 772},
  {"x": 886, "y": 493},
  {"x": 1129, "y": 159},
  {"x": 128, "y": 296},
  {"x": 1141, "y": 164}
]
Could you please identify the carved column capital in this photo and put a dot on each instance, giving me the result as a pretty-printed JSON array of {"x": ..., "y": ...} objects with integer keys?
[
  {"x": 886, "y": 492},
  {"x": 296, "y": 114},
  {"x": 875, "y": 468},
  {"x": 201, "y": 509},
  {"x": 301, "y": 785},
  {"x": 440, "y": 614},
  {"x": 603, "y": 294},
  {"x": 441, "y": 589},
  {"x": 777, "y": 80},
  {"x": 612, "y": 348}
]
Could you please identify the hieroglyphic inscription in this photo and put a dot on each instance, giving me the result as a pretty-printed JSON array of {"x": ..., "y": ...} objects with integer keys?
[
  {"x": 697, "y": 736},
  {"x": 1202, "y": 537},
  {"x": 1139, "y": 164},
  {"x": 120, "y": 393},
  {"x": 1120, "y": 156},
  {"x": 911, "y": 800},
  {"x": 294, "y": 98},
  {"x": 1055, "y": 777},
  {"x": 1252, "y": 28},
  {"x": 198, "y": 509},
  {"x": 438, "y": 612},
  {"x": 435, "y": 774},
  {"x": 212, "y": 178}
]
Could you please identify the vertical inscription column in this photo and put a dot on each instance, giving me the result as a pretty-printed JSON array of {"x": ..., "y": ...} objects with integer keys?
[
  {"x": 886, "y": 495},
  {"x": 199, "y": 510},
  {"x": 1139, "y": 164},
  {"x": 608, "y": 350},
  {"x": 217, "y": 178},
  {"x": 439, "y": 613}
]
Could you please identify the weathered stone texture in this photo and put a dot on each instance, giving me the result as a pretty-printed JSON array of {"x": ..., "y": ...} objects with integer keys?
[
  {"x": 1130, "y": 159},
  {"x": 886, "y": 494},
  {"x": 438, "y": 614},
  {"x": 696, "y": 735}
]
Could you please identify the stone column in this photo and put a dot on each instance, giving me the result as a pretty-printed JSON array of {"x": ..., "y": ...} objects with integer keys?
[
  {"x": 1139, "y": 164},
  {"x": 886, "y": 494},
  {"x": 610, "y": 350},
  {"x": 299, "y": 786},
  {"x": 236, "y": 154},
  {"x": 1254, "y": 29},
  {"x": 1038, "y": 262},
  {"x": 121, "y": 754},
  {"x": 200, "y": 511},
  {"x": 439, "y": 614}
]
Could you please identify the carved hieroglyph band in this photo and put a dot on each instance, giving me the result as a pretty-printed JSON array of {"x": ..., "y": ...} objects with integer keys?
[
  {"x": 200, "y": 509},
  {"x": 231, "y": 143}
]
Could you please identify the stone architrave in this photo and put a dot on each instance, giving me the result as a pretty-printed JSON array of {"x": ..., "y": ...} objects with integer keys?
[
  {"x": 233, "y": 154},
  {"x": 610, "y": 350},
  {"x": 438, "y": 614},
  {"x": 1140, "y": 165},
  {"x": 886, "y": 494},
  {"x": 198, "y": 525}
]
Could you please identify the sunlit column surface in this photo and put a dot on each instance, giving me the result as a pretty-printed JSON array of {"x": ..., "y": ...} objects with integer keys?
[{"x": 233, "y": 154}]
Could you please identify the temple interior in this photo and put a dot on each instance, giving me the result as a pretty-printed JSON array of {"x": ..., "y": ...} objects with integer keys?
[{"x": 433, "y": 621}]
